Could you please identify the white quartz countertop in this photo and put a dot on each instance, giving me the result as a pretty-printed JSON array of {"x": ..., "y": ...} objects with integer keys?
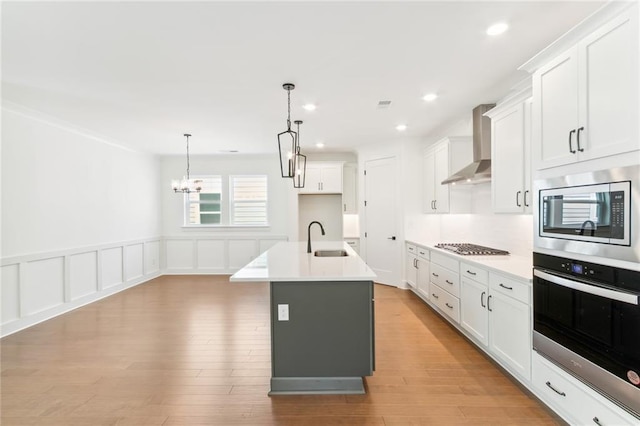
[
  {"x": 520, "y": 267},
  {"x": 289, "y": 261}
]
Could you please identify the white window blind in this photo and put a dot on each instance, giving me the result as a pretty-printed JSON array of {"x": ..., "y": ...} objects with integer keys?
[
  {"x": 205, "y": 207},
  {"x": 248, "y": 199}
]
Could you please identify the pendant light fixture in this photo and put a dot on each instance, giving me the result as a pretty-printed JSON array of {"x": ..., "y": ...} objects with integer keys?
[
  {"x": 186, "y": 184},
  {"x": 299, "y": 162},
  {"x": 287, "y": 140}
]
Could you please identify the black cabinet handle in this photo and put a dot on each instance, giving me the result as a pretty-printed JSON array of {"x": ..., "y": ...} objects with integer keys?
[
  {"x": 482, "y": 299},
  {"x": 571, "y": 150},
  {"x": 597, "y": 421},
  {"x": 448, "y": 282},
  {"x": 434, "y": 296},
  {"x": 435, "y": 275},
  {"x": 471, "y": 273},
  {"x": 448, "y": 305},
  {"x": 525, "y": 198},
  {"x": 489, "y": 303},
  {"x": 555, "y": 390},
  {"x": 507, "y": 287},
  {"x": 518, "y": 198},
  {"x": 578, "y": 139}
]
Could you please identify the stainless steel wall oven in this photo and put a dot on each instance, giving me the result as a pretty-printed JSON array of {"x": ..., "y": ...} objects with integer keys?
[{"x": 587, "y": 320}]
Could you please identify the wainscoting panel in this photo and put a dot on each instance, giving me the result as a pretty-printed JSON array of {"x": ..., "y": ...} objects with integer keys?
[
  {"x": 214, "y": 254},
  {"x": 180, "y": 254},
  {"x": 43, "y": 287},
  {"x": 10, "y": 294},
  {"x": 111, "y": 268},
  {"x": 40, "y": 286},
  {"x": 210, "y": 255},
  {"x": 83, "y": 274},
  {"x": 134, "y": 266}
]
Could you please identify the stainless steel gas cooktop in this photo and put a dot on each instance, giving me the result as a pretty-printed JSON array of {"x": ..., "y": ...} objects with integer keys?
[{"x": 467, "y": 249}]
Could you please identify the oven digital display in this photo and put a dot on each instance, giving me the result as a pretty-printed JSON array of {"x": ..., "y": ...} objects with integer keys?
[{"x": 576, "y": 268}]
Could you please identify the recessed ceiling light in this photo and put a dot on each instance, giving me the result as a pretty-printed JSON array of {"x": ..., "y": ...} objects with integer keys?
[
  {"x": 319, "y": 145},
  {"x": 430, "y": 97},
  {"x": 497, "y": 29},
  {"x": 309, "y": 107},
  {"x": 401, "y": 127}
]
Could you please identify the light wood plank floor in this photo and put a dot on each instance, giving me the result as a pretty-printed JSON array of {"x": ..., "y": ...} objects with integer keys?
[{"x": 184, "y": 350}]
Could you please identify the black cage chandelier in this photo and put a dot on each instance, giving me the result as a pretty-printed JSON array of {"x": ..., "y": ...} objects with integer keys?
[{"x": 292, "y": 162}]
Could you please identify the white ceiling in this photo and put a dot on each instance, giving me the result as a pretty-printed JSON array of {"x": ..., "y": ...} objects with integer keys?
[{"x": 142, "y": 74}]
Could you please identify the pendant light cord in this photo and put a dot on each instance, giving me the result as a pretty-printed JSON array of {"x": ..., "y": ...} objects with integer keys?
[
  {"x": 187, "y": 156},
  {"x": 289, "y": 109}
]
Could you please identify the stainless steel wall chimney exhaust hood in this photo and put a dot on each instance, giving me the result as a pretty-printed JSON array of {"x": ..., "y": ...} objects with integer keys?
[{"x": 480, "y": 170}]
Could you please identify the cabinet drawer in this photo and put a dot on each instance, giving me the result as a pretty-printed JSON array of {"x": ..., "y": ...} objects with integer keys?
[
  {"x": 517, "y": 289},
  {"x": 446, "y": 302},
  {"x": 411, "y": 248},
  {"x": 422, "y": 252},
  {"x": 475, "y": 273},
  {"x": 446, "y": 261},
  {"x": 446, "y": 279},
  {"x": 579, "y": 404}
]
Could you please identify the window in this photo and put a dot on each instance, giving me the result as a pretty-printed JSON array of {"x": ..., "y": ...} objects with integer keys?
[
  {"x": 245, "y": 203},
  {"x": 205, "y": 207},
  {"x": 248, "y": 200}
]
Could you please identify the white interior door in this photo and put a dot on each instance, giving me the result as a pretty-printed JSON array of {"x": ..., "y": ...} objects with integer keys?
[{"x": 382, "y": 244}]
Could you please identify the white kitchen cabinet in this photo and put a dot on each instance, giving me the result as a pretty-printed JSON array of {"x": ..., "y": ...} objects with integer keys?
[
  {"x": 411, "y": 266},
  {"x": 511, "y": 154},
  {"x": 323, "y": 178},
  {"x": 586, "y": 99},
  {"x": 495, "y": 310},
  {"x": 444, "y": 285},
  {"x": 423, "y": 272},
  {"x": 350, "y": 189},
  {"x": 574, "y": 401},
  {"x": 354, "y": 243},
  {"x": 445, "y": 157}
]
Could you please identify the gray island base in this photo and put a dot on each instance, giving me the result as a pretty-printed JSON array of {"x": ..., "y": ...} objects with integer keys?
[{"x": 326, "y": 344}]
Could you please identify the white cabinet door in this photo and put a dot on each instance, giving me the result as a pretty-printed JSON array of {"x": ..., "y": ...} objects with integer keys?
[
  {"x": 332, "y": 179},
  {"x": 423, "y": 278},
  {"x": 313, "y": 178},
  {"x": 428, "y": 181},
  {"x": 474, "y": 316},
  {"x": 411, "y": 269},
  {"x": 608, "y": 78},
  {"x": 441, "y": 173},
  {"x": 508, "y": 160},
  {"x": 349, "y": 190},
  {"x": 555, "y": 91},
  {"x": 510, "y": 337}
]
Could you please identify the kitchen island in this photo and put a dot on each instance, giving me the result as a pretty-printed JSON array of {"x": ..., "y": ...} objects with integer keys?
[{"x": 322, "y": 317}]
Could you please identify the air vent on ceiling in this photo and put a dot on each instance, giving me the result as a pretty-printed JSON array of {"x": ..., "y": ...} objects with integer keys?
[{"x": 384, "y": 104}]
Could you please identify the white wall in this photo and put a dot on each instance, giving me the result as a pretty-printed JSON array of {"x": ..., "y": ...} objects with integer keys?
[
  {"x": 80, "y": 217},
  {"x": 197, "y": 250}
]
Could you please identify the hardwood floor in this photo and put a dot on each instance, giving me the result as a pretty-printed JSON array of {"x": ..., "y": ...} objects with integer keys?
[{"x": 188, "y": 350}]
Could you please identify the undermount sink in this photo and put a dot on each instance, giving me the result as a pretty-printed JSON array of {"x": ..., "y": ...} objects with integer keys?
[{"x": 330, "y": 253}]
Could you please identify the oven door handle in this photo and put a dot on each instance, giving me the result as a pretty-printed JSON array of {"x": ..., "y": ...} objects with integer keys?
[{"x": 631, "y": 299}]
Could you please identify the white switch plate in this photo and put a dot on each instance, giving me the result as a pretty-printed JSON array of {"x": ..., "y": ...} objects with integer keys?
[{"x": 283, "y": 312}]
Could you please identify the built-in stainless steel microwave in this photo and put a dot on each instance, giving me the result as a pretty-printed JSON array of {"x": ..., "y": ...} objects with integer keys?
[
  {"x": 590, "y": 214},
  {"x": 595, "y": 213}
]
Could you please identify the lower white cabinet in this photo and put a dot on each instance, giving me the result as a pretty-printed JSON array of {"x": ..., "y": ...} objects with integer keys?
[
  {"x": 573, "y": 400},
  {"x": 444, "y": 285},
  {"x": 494, "y": 313},
  {"x": 423, "y": 272},
  {"x": 411, "y": 266}
]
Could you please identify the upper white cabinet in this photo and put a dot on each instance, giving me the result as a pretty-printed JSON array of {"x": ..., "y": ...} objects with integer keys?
[
  {"x": 323, "y": 178},
  {"x": 349, "y": 189},
  {"x": 586, "y": 99},
  {"x": 439, "y": 161},
  {"x": 511, "y": 154}
]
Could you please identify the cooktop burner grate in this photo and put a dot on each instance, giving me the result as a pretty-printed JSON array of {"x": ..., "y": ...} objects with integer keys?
[{"x": 467, "y": 249}]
